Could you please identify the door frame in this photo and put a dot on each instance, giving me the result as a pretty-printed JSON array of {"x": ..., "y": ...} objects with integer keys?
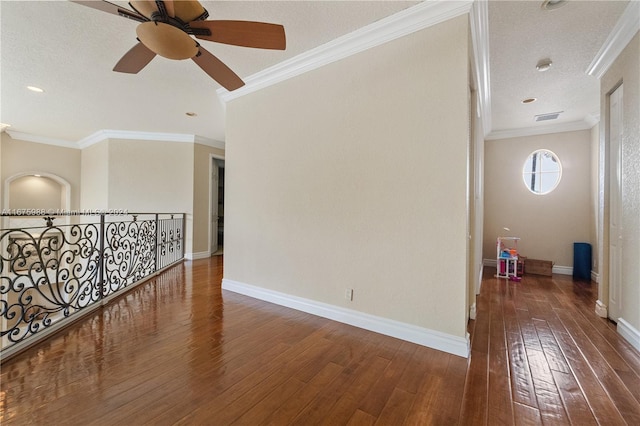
[
  {"x": 614, "y": 206},
  {"x": 212, "y": 157}
]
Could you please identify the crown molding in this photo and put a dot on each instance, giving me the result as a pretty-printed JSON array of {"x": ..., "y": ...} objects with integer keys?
[
  {"x": 403, "y": 23},
  {"x": 592, "y": 119},
  {"x": 40, "y": 139},
  {"x": 543, "y": 130},
  {"x": 479, "y": 22},
  {"x": 209, "y": 142},
  {"x": 624, "y": 30},
  {"x": 102, "y": 135}
]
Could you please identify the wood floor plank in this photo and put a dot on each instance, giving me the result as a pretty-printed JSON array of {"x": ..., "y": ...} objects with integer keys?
[
  {"x": 499, "y": 399},
  {"x": 396, "y": 408},
  {"x": 385, "y": 385},
  {"x": 526, "y": 415},
  {"x": 573, "y": 399},
  {"x": 624, "y": 400},
  {"x": 603, "y": 408},
  {"x": 360, "y": 418},
  {"x": 354, "y": 393},
  {"x": 475, "y": 401},
  {"x": 446, "y": 403},
  {"x": 549, "y": 401},
  {"x": 292, "y": 407}
]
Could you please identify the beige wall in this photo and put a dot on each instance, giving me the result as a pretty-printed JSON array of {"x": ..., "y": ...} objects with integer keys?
[
  {"x": 625, "y": 69},
  {"x": 354, "y": 176},
  {"x": 548, "y": 225},
  {"x": 21, "y": 157},
  {"x": 95, "y": 177},
  {"x": 152, "y": 176},
  {"x": 201, "y": 195},
  {"x": 31, "y": 192}
]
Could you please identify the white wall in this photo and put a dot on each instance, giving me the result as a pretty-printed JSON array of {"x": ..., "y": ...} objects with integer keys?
[
  {"x": 354, "y": 176},
  {"x": 548, "y": 225}
]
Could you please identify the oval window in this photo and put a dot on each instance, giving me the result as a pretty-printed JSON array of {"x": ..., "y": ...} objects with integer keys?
[{"x": 542, "y": 172}]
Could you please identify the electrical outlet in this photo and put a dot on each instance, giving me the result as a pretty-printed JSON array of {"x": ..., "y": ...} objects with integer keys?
[{"x": 348, "y": 294}]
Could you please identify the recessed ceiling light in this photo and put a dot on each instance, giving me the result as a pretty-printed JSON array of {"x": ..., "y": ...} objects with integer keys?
[
  {"x": 35, "y": 89},
  {"x": 191, "y": 114},
  {"x": 544, "y": 65},
  {"x": 38, "y": 175},
  {"x": 553, "y": 4},
  {"x": 529, "y": 100}
]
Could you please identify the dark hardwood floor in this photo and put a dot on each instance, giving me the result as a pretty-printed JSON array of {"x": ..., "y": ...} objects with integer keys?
[{"x": 178, "y": 350}]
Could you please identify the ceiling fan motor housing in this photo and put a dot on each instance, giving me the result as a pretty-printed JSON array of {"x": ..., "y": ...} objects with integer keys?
[{"x": 166, "y": 40}]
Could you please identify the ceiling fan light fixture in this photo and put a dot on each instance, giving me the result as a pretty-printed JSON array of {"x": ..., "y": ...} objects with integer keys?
[
  {"x": 553, "y": 4},
  {"x": 166, "y": 40}
]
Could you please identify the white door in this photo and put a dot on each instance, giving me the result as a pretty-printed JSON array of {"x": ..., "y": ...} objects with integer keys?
[
  {"x": 615, "y": 204},
  {"x": 215, "y": 177}
]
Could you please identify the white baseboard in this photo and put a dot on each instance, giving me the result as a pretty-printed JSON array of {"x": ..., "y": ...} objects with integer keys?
[
  {"x": 198, "y": 255},
  {"x": 472, "y": 312},
  {"x": 630, "y": 334},
  {"x": 490, "y": 262},
  {"x": 595, "y": 277},
  {"x": 562, "y": 270},
  {"x": 422, "y": 336},
  {"x": 601, "y": 309}
]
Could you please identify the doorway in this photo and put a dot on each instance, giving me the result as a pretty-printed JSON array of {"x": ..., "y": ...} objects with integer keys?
[{"x": 217, "y": 206}]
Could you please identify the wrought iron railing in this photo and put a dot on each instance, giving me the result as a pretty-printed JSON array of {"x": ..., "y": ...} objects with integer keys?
[{"x": 52, "y": 273}]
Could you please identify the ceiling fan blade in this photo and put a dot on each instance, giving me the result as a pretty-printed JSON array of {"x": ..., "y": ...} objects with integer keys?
[
  {"x": 218, "y": 70},
  {"x": 135, "y": 59},
  {"x": 114, "y": 9},
  {"x": 260, "y": 35}
]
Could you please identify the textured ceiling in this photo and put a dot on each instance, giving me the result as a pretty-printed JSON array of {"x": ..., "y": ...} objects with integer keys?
[
  {"x": 69, "y": 50},
  {"x": 520, "y": 34}
]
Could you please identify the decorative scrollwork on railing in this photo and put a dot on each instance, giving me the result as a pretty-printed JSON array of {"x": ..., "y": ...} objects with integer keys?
[
  {"x": 170, "y": 241},
  {"x": 129, "y": 254},
  {"x": 49, "y": 273},
  {"x": 46, "y": 276}
]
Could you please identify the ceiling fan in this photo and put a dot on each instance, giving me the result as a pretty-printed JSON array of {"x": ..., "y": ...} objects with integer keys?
[{"x": 166, "y": 28}]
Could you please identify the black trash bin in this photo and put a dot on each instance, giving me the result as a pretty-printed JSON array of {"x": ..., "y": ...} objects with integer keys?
[{"x": 582, "y": 261}]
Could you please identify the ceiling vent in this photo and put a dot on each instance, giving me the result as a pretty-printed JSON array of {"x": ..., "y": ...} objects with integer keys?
[{"x": 548, "y": 116}]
